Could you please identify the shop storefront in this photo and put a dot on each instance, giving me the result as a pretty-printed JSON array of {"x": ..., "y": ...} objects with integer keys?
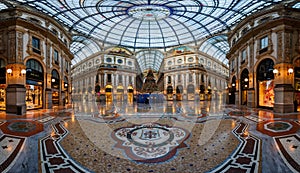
[
  {"x": 130, "y": 94},
  {"x": 34, "y": 84},
  {"x": 244, "y": 83},
  {"x": 169, "y": 93},
  {"x": 55, "y": 85},
  {"x": 232, "y": 91},
  {"x": 179, "y": 91},
  {"x": 265, "y": 83},
  {"x": 66, "y": 90},
  {"x": 108, "y": 93},
  {"x": 2, "y": 85},
  {"x": 190, "y": 92}
]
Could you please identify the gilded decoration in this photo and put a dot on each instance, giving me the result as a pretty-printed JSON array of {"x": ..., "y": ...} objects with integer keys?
[{"x": 119, "y": 51}]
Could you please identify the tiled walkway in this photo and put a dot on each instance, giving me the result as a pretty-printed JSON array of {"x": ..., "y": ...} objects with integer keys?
[{"x": 168, "y": 137}]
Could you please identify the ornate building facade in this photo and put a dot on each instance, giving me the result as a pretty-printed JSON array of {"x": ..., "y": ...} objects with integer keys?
[
  {"x": 35, "y": 61},
  {"x": 112, "y": 74},
  {"x": 264, "y": 60},
  {"x": 191, "y": 74}
]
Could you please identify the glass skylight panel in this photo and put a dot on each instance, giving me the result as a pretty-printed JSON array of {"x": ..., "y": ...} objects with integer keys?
[
  {"x": 297, "y": 5},
  {"x": 2, "y": 6}
]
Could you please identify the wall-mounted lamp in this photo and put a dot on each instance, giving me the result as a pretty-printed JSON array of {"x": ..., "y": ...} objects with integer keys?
[
  {"x": 246, "y": 79},
  {"x": 23, "y": 72},
  {"x": 66, "y": 85},
  {"x": 290, "y": 71},
  {"x": 53, "y": 80},
  {"x": 9, "y": 71},
  {"x": 233, "y": 84},
  {"x": 276, "y": 72}
]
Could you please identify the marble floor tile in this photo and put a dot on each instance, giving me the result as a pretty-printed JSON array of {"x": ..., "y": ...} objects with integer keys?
[{"x": 187, "y": 136}]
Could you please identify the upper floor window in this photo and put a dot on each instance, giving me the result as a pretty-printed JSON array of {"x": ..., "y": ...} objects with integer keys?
[
  {"x": 190, "y": 78},
  {"x": 130, "y": 79},
  {"x": 56, "y": 57},
  {"x": 108, "y": 77},
  {"x": 90, "y": 80},
  {"x": 233, "y": 41},
  {"x": 54, "y": 31},
  {"x": 169, "y": 79},
  {"x": 120, "y": 78},
  {"x": 2, "y": 63},
  {"x": 232, "y": 65},
  {"x": 67, "y": 66},
  {"x": 36, "y": 45},
  {"x": 244, "y": 55},
  {"x": 179, "y": 78},
  {"x": 264, "y": 42}
]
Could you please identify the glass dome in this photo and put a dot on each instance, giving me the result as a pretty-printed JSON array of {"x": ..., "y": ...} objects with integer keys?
[
  {"x": 140, "y": 24},
  {"x": 146, "y": 23}
]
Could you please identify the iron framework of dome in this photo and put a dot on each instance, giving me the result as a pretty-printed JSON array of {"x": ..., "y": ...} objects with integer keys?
[{"x": 140, "y": 24}]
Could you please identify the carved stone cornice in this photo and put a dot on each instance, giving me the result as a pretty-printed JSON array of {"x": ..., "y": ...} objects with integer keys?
[
  {"x": 33, "y": 28},
  {"x": 273, "y": 24}
]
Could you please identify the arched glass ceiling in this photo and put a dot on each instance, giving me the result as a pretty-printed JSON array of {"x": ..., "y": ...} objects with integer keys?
[
  {"x": 216, "y": 47},
  {"x": 149, "y": 23},
  {"x": 150, "y": 59},
  {"x": 83, "y": 47}
]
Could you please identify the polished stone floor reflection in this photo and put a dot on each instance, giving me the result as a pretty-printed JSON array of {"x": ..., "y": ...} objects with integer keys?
[{"x": 186, "y": 136}]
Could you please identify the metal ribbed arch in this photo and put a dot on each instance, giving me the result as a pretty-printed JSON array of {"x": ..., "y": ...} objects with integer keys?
[
  {"x": 217, "y": 47},
  {"x": 150, "y": 59},
  {"x": 85, "y": 46}
]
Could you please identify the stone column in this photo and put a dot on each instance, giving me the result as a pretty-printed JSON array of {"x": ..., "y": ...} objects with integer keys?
[
  {"x": 283, "y": 79},
  {"x": 251, "y": 92},
  {"x": 283, "y": 91},
  {"x": 16, "y": 74}
]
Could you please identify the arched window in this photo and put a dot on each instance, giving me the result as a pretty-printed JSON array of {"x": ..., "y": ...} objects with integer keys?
[
  {"x": 34, "y": 71},
  {"x": 55, "y": 79}
]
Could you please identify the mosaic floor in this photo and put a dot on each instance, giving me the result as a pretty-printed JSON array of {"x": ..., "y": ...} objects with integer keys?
[{"x": 169, "y": 137}]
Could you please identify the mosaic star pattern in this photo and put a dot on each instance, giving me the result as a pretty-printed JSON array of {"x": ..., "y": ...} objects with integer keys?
[
  {"x": 290, "y": 150},
  {"x": 150, "y": 143},
  {"x": 10, "y": 146}
]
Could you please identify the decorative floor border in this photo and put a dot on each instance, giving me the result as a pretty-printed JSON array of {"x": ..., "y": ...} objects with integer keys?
[
  {"x": 285, "y": 145},
  {"x": 246, "y": 156},
  {"x": 37, "y": 129},
  {"x": 254, "y": 118},
  {"x": 46, "y": 119},
  {"x": 10, "y": 147},
  {"x": 261, "y": 127},
  {"x": 52, "y": 155}
]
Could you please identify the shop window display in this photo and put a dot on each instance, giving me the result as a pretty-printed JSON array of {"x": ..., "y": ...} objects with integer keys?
[
  {"x": 2, "y": 97},
  {"x": 34, "y": 97},
  {"x": 265, "y": 80},
  {"x": 266, "y": 93}
]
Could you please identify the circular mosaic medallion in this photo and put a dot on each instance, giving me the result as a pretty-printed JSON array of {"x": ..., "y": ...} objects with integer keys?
[
  {"x": 150, "y": 143},
  {"x": 22, "y": 126}
]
